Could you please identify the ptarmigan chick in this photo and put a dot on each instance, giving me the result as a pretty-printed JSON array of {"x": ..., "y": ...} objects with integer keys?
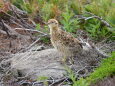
[{"x": 64, "y": 42}]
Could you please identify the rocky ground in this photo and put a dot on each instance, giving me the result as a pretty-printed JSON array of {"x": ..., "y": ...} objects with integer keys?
[{"x": 24, "y": 58}]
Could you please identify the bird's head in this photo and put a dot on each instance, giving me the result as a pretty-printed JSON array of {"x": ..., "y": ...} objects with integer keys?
[{"x": 52, "y": 23}]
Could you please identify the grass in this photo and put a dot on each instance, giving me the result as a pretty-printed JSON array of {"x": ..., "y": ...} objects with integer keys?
[
  {"x": 71, "y": 74},
  {"x": 70, "y": 25},
  {"x": 64, "y": 10},
  {"x": 107, "y": 68},
  {"x": 96, "y": 30},
  {"x": 30, "y": 6},
  {"x": 73, "y": 77},
  {"x": 44, "y": 79},
  {"x": 46, "y": 39}
]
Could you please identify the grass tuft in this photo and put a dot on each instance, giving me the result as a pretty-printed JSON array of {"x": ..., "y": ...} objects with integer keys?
[{"x": 107, "y": 68}]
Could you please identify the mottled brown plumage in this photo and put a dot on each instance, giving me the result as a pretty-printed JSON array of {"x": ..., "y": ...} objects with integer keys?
[{"x": 64, "y": 42}]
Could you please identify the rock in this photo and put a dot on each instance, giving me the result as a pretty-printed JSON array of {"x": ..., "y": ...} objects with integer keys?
[
  {"x": 108, "y": 81},
  {"x": 47, "y": 63},
  {"x": 38, "y": 63}
]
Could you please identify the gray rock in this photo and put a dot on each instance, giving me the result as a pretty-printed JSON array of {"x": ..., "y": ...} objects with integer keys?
[
  {"x": 47, "y": 62},
  {"x": 38, "y": 63}
]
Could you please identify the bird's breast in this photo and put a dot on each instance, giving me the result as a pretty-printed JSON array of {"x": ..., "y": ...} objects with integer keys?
[{"x": 64, "y": 44}]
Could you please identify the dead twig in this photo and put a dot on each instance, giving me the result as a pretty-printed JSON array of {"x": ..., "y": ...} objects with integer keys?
[
  {"x": 17, "y": 20},
  {"x": 59, "y": 81},
  {"x": 32, "y": 31},
  {"x": 23, "y": 21},
  {"x": 99, "y": 18},
  {"x": 80, "y": 17},
  {"x": 33, "y": 43},
  {"x": 9, "y": 29},
  {"x": 36, "y": 41},
  {"x": 4, "y": 28},
  {"x": 53, "y": 82},
  {"x": 16, "y": 23}
]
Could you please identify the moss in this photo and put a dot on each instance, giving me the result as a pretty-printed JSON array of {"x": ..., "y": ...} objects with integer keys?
[{"x": 106, "y": 69}]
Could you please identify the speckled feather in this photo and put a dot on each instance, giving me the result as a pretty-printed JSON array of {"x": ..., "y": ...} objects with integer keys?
[{"x": 64, "y": 42}]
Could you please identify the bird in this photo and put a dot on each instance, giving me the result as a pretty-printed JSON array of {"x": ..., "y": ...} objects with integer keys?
[{"x": 63, "y": 41}]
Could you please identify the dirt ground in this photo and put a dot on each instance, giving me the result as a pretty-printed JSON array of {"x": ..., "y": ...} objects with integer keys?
[{"x": 18, "y": 37}]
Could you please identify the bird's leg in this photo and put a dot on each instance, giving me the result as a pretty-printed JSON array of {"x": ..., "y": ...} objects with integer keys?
[
  {"x": 71, "y": 60},
  {"x": 68, "y": 59},
  {"x": 64, "y": 59}
]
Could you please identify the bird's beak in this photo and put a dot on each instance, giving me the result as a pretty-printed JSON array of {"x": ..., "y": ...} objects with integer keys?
[
  {"x": 48, "y": 23},
  {"x": 45, "y": 23}
]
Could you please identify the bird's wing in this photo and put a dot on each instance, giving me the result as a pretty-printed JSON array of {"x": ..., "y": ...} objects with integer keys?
[{"x": 69, "y": 40}]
